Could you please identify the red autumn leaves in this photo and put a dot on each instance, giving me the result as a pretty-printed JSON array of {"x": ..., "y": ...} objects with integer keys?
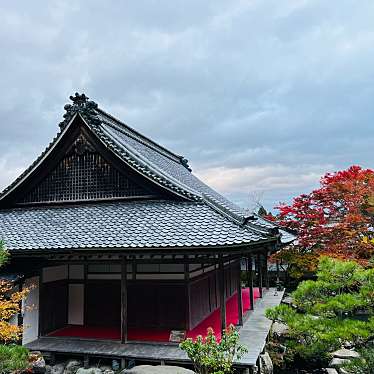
[{"x": 337, "y": 218}]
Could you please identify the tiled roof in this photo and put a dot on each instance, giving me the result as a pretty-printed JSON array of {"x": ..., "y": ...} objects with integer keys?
[
  {"x": 167, "y": 169},
  {"x": 136, "y": 224}
]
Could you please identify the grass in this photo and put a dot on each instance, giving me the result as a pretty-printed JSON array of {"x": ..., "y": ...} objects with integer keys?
[{"x": 13, "y": 358}]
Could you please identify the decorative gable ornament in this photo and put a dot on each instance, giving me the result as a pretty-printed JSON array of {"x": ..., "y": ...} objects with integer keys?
[{"x": 86, "y": 108}]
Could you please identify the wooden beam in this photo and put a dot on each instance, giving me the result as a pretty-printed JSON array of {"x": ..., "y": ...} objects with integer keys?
[
  {"x": 124, "y": 314},
  {"x": 239, "y": 292},
  {"x": 259, "y": 269},
  {"x": 250, "y": 281},
  {"x": 222, "y": 294}
]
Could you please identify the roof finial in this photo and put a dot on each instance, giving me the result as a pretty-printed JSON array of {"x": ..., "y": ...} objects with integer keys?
[
  {"x": 79, "y": 100},
  {"x": 81, "y": 105}
]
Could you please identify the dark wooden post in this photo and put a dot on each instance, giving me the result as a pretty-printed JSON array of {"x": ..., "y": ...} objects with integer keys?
[
  {"x": 124, "y": 300},
  {"x": 239, "y": 290},
  {"x": 278, "y": 276},
  {"x": 259, "y": 269},
  {"x": 222, "y": 295},
  {"x": 267, "y": 283},
  {"x": 19, "y": 315},
  {"x": 250, "y": 281},
  {"x": 85, "y": 277},
  {"x": 188, "y": 293},
  {"x": 40, "y": 308},
  {"x": 134, "y": 268}
]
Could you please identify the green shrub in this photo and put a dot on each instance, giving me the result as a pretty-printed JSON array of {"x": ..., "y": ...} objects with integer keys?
[
  {"x": 325, "y": 311},
  {"x": 362, "y": 365},
  {"x": 13, "y": 358},
  {"x": 210, "y": 356}
]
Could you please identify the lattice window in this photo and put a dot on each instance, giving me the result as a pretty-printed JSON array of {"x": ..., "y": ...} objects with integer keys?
[{"x": 83, "y": 174}]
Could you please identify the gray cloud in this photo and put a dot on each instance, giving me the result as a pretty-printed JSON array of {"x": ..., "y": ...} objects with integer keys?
[{"x": 259, "y": 95}]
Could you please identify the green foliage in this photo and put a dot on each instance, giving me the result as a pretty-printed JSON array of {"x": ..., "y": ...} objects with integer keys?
[
  {"x": 4, "y": 255},
  {"x": 13, "y": 358},
  {"x": 325, "y": 311},
  {"x": 210, "y": 356},
  {"x": 362, "y": 365}
]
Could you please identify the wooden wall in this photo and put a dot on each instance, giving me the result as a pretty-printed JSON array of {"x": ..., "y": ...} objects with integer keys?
[
  {"x": 157, "y": 304},
  {"x": 204, "y": 293}
]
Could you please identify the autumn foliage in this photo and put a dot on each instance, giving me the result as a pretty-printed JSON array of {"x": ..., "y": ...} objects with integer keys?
[
  {"x": 335, "y": 220},
  {"x": 10, "y": 303}
]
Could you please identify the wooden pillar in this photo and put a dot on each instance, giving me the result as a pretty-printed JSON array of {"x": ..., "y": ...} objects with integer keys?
[
  {"x": 134, "y": 268},
  {"x": 188, "y": 294},
  {"x": 267, "y": 282},
  {"x": 259, "y": 269},
  {"x": 222, "y": 295},
  {"x": 40, "y": 307},
  {"x": 124, "y": 300},
  {"x": 19, "y": 315},
  {"x": 278, "y": 276},
  {"x": 239, "y": 291},
  {"x": 85, "y": 277},
  {"x": 250, "y": 281}
]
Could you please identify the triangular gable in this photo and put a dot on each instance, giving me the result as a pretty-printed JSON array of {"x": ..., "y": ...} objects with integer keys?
[{"x": 77, "y": 168}]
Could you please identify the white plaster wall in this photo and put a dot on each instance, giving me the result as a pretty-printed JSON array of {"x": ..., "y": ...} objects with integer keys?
[
  {"x": 76, "y": 304},
  {"x": 30, "y": 308},
  {"x": 55, "y": 273}
]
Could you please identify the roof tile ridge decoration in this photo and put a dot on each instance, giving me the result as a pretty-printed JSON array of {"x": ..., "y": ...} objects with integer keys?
[
  {"x": 241, "y": 220},
  {"x": 138, "y": 162},
  {"x": 136, "y": 135}
]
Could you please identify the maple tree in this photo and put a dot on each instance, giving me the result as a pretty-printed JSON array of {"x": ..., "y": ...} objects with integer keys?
[
  {"x": 10, "y": 301},
  {"x": 335, "y": 219}
]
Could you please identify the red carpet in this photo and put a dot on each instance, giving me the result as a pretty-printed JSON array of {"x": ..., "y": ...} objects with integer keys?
[{"x": 150, "y": 335}]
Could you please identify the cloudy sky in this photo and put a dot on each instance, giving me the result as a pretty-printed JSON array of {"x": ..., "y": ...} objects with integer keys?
[{"x": 261, "y": 96}]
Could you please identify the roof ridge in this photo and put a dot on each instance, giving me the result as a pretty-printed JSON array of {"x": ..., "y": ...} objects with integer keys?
[
  {"x": 144, "y": 139},
  {"x": 139, "y": 139}
]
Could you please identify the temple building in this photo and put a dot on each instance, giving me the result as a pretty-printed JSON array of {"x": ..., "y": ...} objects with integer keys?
[{"x": 123, "y": 243}]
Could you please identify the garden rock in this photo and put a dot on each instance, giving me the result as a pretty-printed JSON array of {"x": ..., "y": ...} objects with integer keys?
[
  {"x": 343, "y": 371},
  {"x": 345, "y": 353},
  {"x": 37, "y": 363},
  {"x": 279, "y": 328},
  {"x": 48, "y": 369},
  {"x": 89, "y": 371},
  {"x": 336, "y": 362},
  {"x": 266, "y": 365},
  {"x": 287, "y": 300},
  {"x": 331, "y": 371},
  {"x": 58, "y": 369},
  {"x": 72, "y": 366},
  {"x": 148, "y": 369}
]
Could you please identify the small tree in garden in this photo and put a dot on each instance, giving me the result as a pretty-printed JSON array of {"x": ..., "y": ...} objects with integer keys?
[
  {"x": 336, "y": 308},
  {"x": 210, "y": 356},
  {"x": 9, "y": 304},
  {"x": 335, "y": 220}
]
